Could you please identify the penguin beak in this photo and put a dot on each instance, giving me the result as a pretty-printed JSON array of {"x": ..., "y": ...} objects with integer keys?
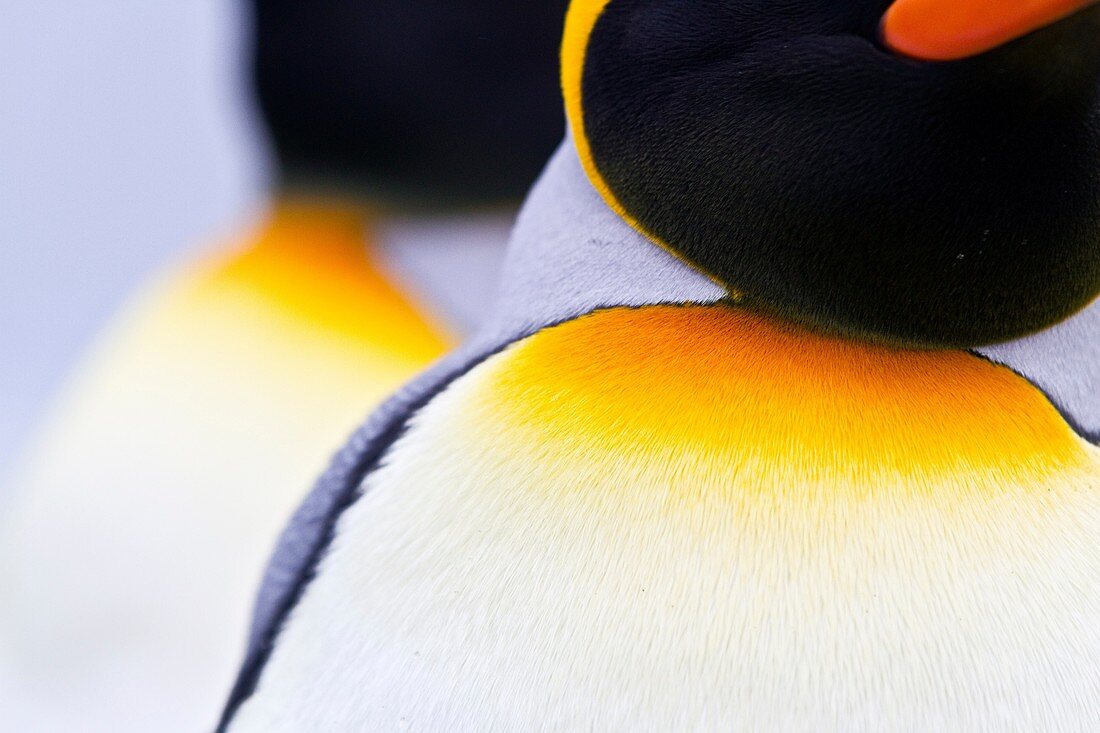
[{"x": 950, "y": 30}]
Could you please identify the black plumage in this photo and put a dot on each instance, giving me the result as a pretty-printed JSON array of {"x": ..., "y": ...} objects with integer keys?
[
  {"x": 779, "y": 146},
  {"x": 433, "y": 103}
]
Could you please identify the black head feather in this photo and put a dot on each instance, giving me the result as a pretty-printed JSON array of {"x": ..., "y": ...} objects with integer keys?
[
  {"x": 428, "y": 102},
  {"x": 780, "y": 147}
]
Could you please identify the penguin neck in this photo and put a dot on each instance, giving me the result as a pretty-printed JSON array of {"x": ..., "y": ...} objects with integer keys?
[
  {"x": 305, "y": 266},
  {"x": 571, "y": 254},
  {"x": 445, "y": 263},
  {"x": 312, "y": 228}
]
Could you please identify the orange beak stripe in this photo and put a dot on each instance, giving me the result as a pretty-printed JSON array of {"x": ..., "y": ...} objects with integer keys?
[{"x": 949, "y": 30}]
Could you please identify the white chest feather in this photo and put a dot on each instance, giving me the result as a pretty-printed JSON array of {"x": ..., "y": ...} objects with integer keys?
[{"x": 502, "y": 573}]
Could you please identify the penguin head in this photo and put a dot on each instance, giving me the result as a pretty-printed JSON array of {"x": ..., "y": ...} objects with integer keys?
[
  {"x": 426, "y": 104},
  {"x": 919, "y": 172}
]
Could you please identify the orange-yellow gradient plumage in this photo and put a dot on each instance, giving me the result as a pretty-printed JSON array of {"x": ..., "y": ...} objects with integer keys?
[
  {"x": 311, "y": 264},
  {"x": 742, "y": 388},
  {"x": 691, "y": 517}
]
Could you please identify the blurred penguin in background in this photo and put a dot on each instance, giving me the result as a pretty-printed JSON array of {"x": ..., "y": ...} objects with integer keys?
[{"x": 404, "y": 134}]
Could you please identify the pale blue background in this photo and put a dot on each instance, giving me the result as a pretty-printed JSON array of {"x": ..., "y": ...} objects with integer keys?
[{"x": 126, "y": 137}]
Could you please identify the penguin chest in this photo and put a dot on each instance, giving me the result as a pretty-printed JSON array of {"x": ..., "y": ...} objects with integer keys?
[{"x": 691, "y": 518}]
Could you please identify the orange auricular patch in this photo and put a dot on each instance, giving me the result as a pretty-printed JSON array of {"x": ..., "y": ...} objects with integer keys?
[
  {"x": 745, "y": 391},
  {"x": 311, "y": 262}
]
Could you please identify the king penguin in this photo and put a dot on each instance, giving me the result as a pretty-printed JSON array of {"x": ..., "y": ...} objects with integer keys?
[
  {"x": 786, "y": 418},
  {"x": 405, "y": 136}
]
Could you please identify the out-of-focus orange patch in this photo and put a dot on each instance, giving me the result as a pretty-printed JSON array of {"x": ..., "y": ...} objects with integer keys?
[{"x": 313, "y": 263}]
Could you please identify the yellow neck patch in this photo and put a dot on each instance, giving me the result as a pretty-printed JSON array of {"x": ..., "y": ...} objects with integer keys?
[
  {"x": 752, "y": 394},
  {"x": 313, "y": 262}
]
